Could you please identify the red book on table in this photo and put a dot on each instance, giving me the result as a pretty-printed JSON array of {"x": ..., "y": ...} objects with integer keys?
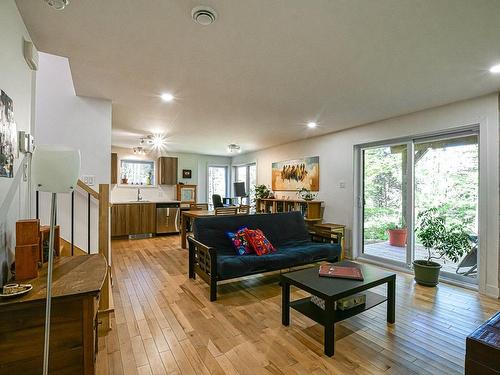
[{"x": 341, "y": 272}]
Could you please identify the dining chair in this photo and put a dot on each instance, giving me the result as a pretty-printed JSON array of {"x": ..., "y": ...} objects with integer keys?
[
  {"x": 217, "y": 201},
  {"x": 244, "y": 209},
  {"x": 221, "y": 211},
  {"x": 198, "y": 207}
]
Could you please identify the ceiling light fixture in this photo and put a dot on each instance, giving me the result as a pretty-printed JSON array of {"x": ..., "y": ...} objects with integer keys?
[
  {"x": 167, "y": 97},
  {"x": 495, "y": 69},
  {"x": 204, "y": 15},
  {"x": 311, "y": 125},
  {"x": 232, "y": 148},
  {"x": 139, "y": 151},
  {"x": 57, "y": 4}
]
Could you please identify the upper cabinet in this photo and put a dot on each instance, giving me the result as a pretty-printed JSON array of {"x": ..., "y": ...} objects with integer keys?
[
  {"x": 167, "y": 170},
  {"x": 114, "y": 168}
]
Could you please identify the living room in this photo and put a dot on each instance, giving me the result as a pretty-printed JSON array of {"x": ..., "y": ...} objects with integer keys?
[{"x": 226, "y": 157}]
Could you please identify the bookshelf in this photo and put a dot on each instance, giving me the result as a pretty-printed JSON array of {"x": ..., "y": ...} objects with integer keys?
[{"x": 311, "y": 210}]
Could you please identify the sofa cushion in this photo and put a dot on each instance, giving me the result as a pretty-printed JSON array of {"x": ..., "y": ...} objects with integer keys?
[
  {"x": 239, "y": 241},
  {"x": 280, "y": 229},
  {"x": 230, "y": 266},
  {"x": 258, "y": 241}
]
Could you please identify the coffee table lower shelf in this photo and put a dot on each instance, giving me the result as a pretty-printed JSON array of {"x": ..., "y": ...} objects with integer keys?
[{"x": 316, "y": 313}]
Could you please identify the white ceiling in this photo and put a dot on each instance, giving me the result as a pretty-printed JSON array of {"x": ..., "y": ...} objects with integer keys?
[{"x": 267, "y": 67}]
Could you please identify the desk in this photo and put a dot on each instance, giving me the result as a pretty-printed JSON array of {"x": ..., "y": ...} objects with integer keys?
[
  {"x": 192, "y": 215},
  {"x": 76, "y": 285}
]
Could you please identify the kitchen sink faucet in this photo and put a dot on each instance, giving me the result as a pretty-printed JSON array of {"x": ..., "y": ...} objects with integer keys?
[{"x": 139, "y": 197}]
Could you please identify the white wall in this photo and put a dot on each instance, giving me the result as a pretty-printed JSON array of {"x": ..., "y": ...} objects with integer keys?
[
  {"x": 337, "y": 164},
  {"x": 197, "y": 163},
  {"x": 17, "y": 80},
  {"x": 80, "y": 122}
]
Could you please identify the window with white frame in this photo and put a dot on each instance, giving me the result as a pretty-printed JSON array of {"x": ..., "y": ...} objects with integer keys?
[
  {"x": 217, "y": 181},
  {"x": 248, "y": 174},
  {"x": 137, "y": 172}
]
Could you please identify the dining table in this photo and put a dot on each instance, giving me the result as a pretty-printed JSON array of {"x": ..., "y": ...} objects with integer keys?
[{"x": 188, "y": 215}]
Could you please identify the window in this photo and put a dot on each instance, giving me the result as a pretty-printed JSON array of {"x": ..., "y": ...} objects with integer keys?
[
  {"x": 137, "y": 172},
  {"x": 247, "y": 174},
  {"x": 217, "y": 182}
]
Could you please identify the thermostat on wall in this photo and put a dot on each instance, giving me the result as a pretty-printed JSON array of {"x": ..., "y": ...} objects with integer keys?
[{"x": 88, "y": 180}]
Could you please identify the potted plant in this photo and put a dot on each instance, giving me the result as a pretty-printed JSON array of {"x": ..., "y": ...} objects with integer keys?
[
  {"x": 448, "y": 243},
  {"x": 397, "y": 235},
  {"x": 306, "y": 194},
  {"x": 262, "y": 192}
]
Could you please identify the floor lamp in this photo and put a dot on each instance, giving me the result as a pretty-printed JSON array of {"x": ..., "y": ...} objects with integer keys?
[{"x": 55, "y": 169}]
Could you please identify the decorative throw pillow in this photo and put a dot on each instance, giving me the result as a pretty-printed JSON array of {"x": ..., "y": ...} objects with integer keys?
[
  {"x": 239, "y": 241},
  {"x": 259, "y": 243}
]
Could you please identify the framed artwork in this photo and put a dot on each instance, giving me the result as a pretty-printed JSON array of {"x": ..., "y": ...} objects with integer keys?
[
  {"x": 291, "y": 175},
  {"x": 186, "y": 173},
  {"x": 8, "y": 136}
]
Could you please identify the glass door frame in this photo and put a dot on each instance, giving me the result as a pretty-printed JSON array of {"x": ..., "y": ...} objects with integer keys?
[
  {"x": 410, "y": 141},
  {"x": 409, "y": 196}
]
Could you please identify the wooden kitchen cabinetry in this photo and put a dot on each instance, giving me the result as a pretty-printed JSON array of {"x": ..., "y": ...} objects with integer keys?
[
  {"x": 167, "y": 170},
  {"x": 133, "y": 218},
  {"x": 114, "y": 168}
]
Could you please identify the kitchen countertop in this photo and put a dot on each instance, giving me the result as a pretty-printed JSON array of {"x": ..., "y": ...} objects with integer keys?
[{"x": 146, "y": 201}]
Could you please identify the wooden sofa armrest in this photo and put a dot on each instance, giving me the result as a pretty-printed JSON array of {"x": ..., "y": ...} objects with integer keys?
[{"x": 203, "y": 261}]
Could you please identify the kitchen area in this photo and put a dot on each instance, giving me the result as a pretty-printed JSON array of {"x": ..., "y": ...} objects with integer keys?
[{"x": 147, "y": 196}]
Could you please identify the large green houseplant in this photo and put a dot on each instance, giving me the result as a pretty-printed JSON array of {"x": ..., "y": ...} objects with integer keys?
[{"x": 448, "y": 242}]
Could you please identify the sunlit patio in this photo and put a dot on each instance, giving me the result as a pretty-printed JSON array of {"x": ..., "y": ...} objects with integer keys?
[{"x": 382, "y": 249}]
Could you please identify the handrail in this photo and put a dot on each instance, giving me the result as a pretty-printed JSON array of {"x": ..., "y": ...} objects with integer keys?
[{"x": 88, "y": 189}]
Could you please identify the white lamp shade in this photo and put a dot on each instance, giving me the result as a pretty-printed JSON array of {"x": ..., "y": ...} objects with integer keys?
[{"x": 55, "y": 168}]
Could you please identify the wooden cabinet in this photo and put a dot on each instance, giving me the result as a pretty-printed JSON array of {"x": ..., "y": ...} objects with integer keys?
[
  {"x": 147, "y": 213},
  {"x": 133, "y": 218},
  {"x": 167, "y": 170},
  {"x": 76, "y": 286},
  {"x": 119, "y": 220},
  {"x": 114, "y": 168}
]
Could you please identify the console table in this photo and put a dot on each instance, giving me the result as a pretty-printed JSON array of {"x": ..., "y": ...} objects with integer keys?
[{"x": 77, "y": 282}]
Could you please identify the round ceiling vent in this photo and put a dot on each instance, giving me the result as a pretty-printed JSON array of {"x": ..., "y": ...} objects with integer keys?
[{"x": 204, "y": 15}]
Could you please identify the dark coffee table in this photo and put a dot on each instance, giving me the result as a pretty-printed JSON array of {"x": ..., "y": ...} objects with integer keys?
[{"x": 331, "y": 290}]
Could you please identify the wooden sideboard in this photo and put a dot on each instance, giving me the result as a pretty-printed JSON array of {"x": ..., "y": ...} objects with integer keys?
[{"x": 77, "y": 282}]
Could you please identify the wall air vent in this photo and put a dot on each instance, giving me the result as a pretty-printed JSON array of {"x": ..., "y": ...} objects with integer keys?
[{"x": 204, "y": 15}]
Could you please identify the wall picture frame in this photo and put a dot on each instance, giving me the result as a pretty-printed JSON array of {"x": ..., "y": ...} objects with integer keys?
[
  {"x": 186, "y": 173},
  {"x": 8, "y": 136},
  {"x": 293, "y": 175}
]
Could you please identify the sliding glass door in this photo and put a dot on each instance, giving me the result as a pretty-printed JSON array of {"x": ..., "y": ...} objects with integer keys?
[
  {"x": 400, "y": 180},
  {"x": 385, "y": 181}
]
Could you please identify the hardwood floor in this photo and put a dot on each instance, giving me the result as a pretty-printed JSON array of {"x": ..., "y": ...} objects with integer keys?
[{"x": 164, "y": 323}]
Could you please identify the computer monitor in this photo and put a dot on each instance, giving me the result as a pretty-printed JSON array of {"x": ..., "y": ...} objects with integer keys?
[{"x": 239, "y": 189}]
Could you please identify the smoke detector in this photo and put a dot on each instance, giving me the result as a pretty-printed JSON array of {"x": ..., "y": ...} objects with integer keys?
[
  {"x": 204, "y": 15},
  {"x": 57, "y": 4}
]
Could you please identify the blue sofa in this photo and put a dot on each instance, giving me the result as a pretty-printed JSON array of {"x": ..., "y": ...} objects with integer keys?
[{"x": 213, "y": 258}]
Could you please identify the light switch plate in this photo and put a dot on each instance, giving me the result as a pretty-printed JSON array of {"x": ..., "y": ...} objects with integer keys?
[
  {"x": 88, "y": 180},
  {"x": 341, "y": 185}
]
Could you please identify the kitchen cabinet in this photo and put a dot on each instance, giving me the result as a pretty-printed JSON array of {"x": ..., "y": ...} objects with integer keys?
[
  {"x": 133, "y": 218},
  {"x": 114, "y": 168},
  {"x": 167, "y": 170},
  {"x": 119, "y": 220},
  {"x": 147, "y": 213}
]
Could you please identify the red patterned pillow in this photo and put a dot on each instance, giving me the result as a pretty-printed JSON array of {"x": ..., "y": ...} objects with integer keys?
[{"x": 258, "y": 241}]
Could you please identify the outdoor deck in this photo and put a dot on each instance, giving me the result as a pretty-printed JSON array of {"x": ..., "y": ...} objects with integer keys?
[{"x": 384, "y": 250}]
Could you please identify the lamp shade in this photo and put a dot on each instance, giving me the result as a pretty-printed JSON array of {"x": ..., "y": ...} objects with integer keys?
[{"x": 55, "y": 168}]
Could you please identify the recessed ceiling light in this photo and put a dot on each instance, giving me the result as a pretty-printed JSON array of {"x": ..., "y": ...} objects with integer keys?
[
  {"x": 57, "y": 4},
  {"x": 167, "y": 97},
  {"x": 311, "y": 125},
  {"x": 495, "y": 69}
]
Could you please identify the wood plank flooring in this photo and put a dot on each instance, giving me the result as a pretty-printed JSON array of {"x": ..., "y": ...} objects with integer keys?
[{"x": 165, "y": 324}]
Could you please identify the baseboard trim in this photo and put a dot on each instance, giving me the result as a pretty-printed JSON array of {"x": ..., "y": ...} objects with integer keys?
[{"x": 492, "y": 291}]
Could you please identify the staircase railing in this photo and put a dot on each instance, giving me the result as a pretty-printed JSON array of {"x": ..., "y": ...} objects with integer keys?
[{"x": 103, "y": 235}]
